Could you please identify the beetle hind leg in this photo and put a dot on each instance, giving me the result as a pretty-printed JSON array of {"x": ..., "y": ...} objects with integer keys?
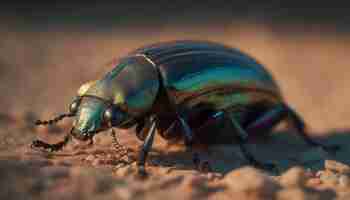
[
  {"x": 280, "y": 112},
  {"x": 299, "y": 124}
]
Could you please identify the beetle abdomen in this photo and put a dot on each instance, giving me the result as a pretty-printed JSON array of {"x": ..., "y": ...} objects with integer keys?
[{"x": 207, "y": 72}]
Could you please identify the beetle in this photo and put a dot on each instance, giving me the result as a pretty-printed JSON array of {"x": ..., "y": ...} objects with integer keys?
[{"x": 177, "y": 89}]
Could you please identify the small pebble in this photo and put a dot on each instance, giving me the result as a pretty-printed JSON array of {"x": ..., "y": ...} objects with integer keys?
[
  {"x": 252, "y": 182},
  {"x": 97, "y": 162},
  {"x": 90, "y": 158},
  {"x": 214, "y": 176},
  {"x": 314, "y": 181},
  {"x": 337, "y": 166},
  {"x": 329, "y": 177},
  {"x": 319, "y": 173},
  {"x": 125, "y": 171},
  {"x": 344, "y": 181},
  {"x": 294, "y": 177},
  {"x": 109, "y": 156}
]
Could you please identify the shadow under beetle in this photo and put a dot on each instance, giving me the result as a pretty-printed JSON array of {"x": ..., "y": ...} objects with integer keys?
[{"x": 177, "y": 88}]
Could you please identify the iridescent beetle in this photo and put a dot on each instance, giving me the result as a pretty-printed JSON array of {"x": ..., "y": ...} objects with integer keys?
[{"x": 179, "y": 88}]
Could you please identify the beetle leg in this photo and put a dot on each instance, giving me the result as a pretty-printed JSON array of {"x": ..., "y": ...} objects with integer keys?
[
  {"x": 146, "y": 147},
  {"x": 277, "y": 114},
  {"x": 140, "y": 130},
  {"x": 202, "y": 164},
  {"x": 242, "y": 137},
  {"x": 268, "y": 120},
  {"x": 300, "y": 126}
]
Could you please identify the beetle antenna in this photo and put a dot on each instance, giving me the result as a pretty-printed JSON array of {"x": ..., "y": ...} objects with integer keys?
[
  {"x": 121, "y": 150},
  {"x": 54, "y": 120},
  {"x": 51, "y": 147}
]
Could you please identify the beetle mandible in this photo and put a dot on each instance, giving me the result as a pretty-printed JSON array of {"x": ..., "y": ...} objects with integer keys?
[{"x": 178, "y": 88}]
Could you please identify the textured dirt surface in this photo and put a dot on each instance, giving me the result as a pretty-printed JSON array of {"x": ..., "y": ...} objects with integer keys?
[{"x": 41, "y": 71}]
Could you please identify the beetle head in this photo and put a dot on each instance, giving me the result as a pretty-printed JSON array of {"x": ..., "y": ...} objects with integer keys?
[{"x": 93, "y": 115}]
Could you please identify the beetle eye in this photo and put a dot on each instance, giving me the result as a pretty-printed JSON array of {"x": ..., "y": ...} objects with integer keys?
[
  {"x": 113, "y": 115},
  {"x": 73, "y": 108}
]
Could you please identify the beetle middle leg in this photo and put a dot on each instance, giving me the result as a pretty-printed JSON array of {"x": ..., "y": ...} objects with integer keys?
[
  {"x": 242, "y": 136},
  {"x": 201, "y": 163},
  {"x": 146, "y": 147}
]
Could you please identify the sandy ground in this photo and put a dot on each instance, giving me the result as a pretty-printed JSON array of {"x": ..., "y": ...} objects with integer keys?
[{"x": 41, "y": 71}]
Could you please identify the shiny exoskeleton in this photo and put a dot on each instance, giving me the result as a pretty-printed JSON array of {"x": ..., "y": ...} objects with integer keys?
[{"x": 180, "y": 89}]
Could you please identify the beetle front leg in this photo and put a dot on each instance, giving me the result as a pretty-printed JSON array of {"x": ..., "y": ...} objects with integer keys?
[
  {"x": 146, "y": 147},
  {"x": 202, "y": 164}
]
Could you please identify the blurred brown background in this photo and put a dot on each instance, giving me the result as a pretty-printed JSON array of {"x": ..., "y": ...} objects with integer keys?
[{"x": 48, "y": 51}]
